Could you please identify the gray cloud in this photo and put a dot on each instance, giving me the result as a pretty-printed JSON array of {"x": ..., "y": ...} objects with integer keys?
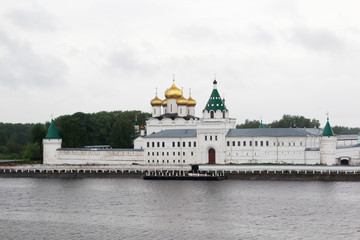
[
  {"x": 21, "y": 66},
  {"x": 317, "y": 40},
  {"x": 32, "y": 19},
  {"x": 131, "y": 63}
]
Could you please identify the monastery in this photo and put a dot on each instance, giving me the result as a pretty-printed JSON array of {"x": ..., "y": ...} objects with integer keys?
[{"x": 175, "y": 136}]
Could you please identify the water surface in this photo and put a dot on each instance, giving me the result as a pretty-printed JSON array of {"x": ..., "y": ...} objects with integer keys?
[{"x": 136, "y": 209}]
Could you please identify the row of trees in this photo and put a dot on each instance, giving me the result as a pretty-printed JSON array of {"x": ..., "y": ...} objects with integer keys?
[
  {"x": 294, "y": 121},
  {"x": 113, "y": 128},
  {"x": 24, "y": 141}
]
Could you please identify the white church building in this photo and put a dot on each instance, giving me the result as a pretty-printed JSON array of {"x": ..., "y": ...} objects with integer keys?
[{"x": 175, "y": 136}]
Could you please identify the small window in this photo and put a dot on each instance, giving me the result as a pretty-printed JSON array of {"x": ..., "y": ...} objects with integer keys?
[
  {"x": 173, "y": 144},
  {"x": 163, "y": 153},
  {"x": 173, "y": 153},
  {"x": 167, "y": 161},
  {"x": 239, "y": 143},
  {"x": 261, "y": 143},
  {"x": 267, "y": 143},
  {"x": 158, "y": 144},
  {"x": 189, "y": 144},
  {"x": 223, "y": 114},
  {"x": 163, "y": 144},
  {"x": 178, "y": 153},
  {"x": 179, "y": 161},
  {"x": 167, "y": 154},
  {"x": 184, "y": 144},
  {"x": 153, "y": 144},
  {"x": 194, "y": 144},
  {"x": 210, "y": 138},
  {"x": 233, "y": 143},
  {"x": 148, "y": 144},
  {"x": 174, "y": 161},
  {"x": 183, "y": 161},
  {"x": 148, "y": 153},
  {"x": 205, "y": 138},
  {"x": 157, "y": 153},
  {"x": 178, "y": 144},
  {"x": 183, "y": 153},
  {"x": 228, "y": 143},
  {"x": 256, "y": 143},
  {"x": 250, "y": 143},
  {"x": 192, "y": 153},
  {"x": 211, "y": 114},
  {"x": 215, "y": 137},
  {"x": 153, "y": 153},
  {"x": 244, "y": 143}
]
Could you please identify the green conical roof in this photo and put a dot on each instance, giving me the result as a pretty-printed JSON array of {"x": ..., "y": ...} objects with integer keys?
[
  {"x": 327, "y": 129},
  {"x": 52, "y": 132},
  {"x": 215, "y": 102},
  {"x": 261, "y": 125}
]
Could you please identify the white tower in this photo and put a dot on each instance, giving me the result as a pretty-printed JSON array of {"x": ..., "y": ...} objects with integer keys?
[{"x": 51, "y": 143}]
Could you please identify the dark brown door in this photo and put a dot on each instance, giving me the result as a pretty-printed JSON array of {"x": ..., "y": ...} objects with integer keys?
[{"x": 212, "y": 156}]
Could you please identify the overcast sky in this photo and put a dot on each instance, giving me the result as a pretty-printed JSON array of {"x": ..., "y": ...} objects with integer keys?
[{"x": 270, "y": 57}]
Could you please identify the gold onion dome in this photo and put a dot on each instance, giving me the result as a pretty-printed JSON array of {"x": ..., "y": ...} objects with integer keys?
[
  {"x": 182, "y": 101},
  {"x": 191, "y": 102},
  {"x": 156, "y": 101},
  {"x": 173, "y": 92},
  {"x": 164, "y": 103}
]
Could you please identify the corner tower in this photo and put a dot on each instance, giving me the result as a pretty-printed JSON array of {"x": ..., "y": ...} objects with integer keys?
[
  {"x": 328, "y": 145},
  {"x": 51, "y": 143}
]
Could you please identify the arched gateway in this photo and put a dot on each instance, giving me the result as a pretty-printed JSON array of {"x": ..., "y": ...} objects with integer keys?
[{"x": 212, "y": 156}]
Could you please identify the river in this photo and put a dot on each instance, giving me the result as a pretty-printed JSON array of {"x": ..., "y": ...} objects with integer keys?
[{"x": 33, "y": 208}]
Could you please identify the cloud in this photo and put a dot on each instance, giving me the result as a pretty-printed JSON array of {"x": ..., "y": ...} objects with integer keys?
[
  {"x": 317, "y": 40},
  {"x": 130, "y": 62},
  {"x": 21, "y": 66},
  {"x": 32, "y": 19}
]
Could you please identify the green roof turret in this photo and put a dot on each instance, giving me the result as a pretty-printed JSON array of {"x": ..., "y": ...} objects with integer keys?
[
  {"x": 327, "y": 129},
  {"x": 261, "y": 124},
  {"x": 215, "y": 102},
  {"x": 52, "y": 132}
]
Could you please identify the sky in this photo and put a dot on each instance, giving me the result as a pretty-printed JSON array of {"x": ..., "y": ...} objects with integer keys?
[{"x": 270, "y": 57}]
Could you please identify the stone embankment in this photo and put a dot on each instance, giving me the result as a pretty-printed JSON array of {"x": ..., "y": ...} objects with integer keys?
[{"x": 243, "y": 172}]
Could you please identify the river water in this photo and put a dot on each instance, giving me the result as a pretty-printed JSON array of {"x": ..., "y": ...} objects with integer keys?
[{"x": 33, "y": 208}]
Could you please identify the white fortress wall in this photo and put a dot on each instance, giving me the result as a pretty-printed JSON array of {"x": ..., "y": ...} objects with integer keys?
[{"x": 112, "y": 156}]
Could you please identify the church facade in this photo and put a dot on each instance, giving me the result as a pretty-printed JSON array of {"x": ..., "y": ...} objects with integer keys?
[{"x": 175, "y": 136}]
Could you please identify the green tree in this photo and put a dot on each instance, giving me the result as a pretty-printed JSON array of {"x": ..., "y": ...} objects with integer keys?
[
  {"x": 32, "y": 150},
  {"x": 292, "y": 121},
  {"x": 249, "y": 124},
  {"x": 122, "y": 134},
  {"x": 71, "y": 131}
]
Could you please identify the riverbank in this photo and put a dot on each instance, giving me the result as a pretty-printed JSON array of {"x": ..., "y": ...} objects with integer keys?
[{"x": 240, "y": 172}]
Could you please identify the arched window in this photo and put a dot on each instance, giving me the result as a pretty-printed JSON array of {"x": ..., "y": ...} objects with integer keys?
[
  {"x": 211, "y": 114},
  {"x": 223, "y": 114}
]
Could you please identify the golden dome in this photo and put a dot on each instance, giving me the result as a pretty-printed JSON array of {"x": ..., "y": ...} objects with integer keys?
[
  {"x": 173, "y": 92},
  {"x": 182, "y": 101},
  {"x": 156, "y": 101},
  {"x": 191, "y": 102},
  {"x": 164, "y": 103}
]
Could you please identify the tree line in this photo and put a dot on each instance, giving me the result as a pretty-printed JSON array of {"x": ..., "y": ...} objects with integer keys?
[
  {"x": 24, "y": 141},
  {"x": 294, "y": 121}
]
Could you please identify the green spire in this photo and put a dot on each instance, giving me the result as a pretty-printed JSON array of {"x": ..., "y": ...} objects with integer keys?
[
  {"x": 327, "y": 129},
  {"x": 215, "y": 102},
  {"x": 261, "y": 124},
  {"x": 52, "y": 132}
]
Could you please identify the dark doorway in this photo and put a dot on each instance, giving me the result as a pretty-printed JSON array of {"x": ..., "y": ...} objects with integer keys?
[
  {"x": 212, "y": 156},
  {"x": 344, "y": 162}
]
